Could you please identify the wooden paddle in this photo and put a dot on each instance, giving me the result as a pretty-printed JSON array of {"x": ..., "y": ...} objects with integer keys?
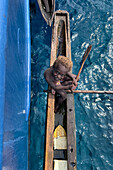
[{"x": 83, "y": 60}]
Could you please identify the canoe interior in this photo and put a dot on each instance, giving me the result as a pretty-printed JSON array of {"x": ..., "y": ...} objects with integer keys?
[
  {"x": 60, "y": 45},
  {"x": 61, "y": 41},
  {"x": 60, "y": 116},
  {"x": 47, "y": 8}
]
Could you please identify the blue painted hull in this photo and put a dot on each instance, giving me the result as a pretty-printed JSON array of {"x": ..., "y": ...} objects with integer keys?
[{"x": 14, "y": 83}]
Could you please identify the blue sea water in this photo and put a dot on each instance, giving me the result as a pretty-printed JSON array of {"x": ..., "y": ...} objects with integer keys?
[{"x": 91, "y": 22}]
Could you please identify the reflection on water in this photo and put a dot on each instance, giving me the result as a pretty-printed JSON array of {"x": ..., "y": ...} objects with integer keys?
[{"x": 90, "y": 23}]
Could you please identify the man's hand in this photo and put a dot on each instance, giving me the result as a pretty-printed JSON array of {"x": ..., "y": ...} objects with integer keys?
[
  {"x": 53, "y": 91},
  {"x": 75, "y": 82},
  {"x": 74, "y": 87}
]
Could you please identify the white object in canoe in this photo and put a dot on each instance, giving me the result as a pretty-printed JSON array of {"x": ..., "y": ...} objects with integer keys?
[
  {"x": 60, "y": 138},
  {"x": 60, "y": 165}
]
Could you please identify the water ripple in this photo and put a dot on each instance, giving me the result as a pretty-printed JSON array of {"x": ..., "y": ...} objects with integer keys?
[{"x": 91, "y": 22}]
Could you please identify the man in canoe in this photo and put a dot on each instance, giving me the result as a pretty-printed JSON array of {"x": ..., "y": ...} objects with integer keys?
[{"x": 60, "y": 78}]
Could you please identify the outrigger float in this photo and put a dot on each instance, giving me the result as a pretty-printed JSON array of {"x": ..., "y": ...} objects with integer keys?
[
  {"x": 47, "y": 8},
  {"x": 60, "y": 151}
]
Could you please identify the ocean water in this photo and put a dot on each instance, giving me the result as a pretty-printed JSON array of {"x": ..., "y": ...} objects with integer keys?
[{"x": 91, "y": 22}]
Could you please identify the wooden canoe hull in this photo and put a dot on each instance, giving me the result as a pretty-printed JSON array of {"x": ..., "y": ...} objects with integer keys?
[
  {"x": 64, "y": 120},
  {"x": 47, "y": 8}
]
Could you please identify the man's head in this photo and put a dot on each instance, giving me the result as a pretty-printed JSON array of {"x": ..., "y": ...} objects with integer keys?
[
  {"x": 63, "y": 61},
  {"x": 61, "y": 67}
]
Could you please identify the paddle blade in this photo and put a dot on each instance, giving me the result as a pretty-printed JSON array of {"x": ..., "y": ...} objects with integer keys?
[
  {"x": 86, "y": 53},
  {"x": 83, "y": 60}
]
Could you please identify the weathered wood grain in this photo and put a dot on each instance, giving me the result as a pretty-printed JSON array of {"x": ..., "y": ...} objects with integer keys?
[
  {"x": 49, "y": 133},
  {"x": 71, "y": 133}
]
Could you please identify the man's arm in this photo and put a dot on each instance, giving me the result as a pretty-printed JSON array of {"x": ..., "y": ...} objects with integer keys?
[
  {"x": 73, "y": 76},
  {"x": 58, "y": 87}
]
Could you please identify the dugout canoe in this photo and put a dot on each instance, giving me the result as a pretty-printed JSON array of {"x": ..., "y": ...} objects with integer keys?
[
  {"x": 60, "y": 146},
  {"x": 47, "y": 8}
]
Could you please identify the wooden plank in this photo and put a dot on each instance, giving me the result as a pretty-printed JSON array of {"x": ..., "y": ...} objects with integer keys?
[
  {"x": 50, "y": 113},
  {"x": 49, "y": 133},
  {"x": 71, "y": 133}
]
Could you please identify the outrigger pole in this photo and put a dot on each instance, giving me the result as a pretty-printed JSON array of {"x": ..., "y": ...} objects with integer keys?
[
  {"x": 85, "y": 91},
  {"x": 90, "y": 91}
]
